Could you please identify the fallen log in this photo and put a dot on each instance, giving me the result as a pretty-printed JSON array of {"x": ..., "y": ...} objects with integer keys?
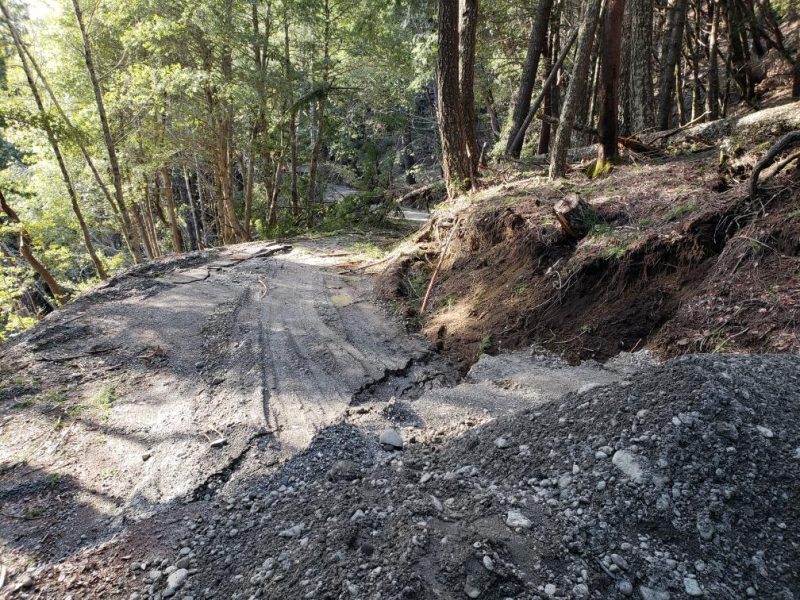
[{"x": 575, "y": 216}]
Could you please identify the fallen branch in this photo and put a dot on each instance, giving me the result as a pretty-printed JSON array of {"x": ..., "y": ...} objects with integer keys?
[
  {"x": 438, "y": 266},
  {"x": 786, "y": 142},
  {"x": 672, "y": 132}
]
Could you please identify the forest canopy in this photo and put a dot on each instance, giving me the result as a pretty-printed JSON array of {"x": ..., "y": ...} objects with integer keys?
[{"x": 129, "y": 130}]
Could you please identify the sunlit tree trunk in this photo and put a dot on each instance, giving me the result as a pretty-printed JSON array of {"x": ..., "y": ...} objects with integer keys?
[
  {"x": 54, "y": 145},
  {"x": 116, "y": 174},
  {"x": 27, "y": 253},
  {"x": 457, "y": 164},
  {"x": 576, "y": 90},
  {"x": 670, "y": 57}
]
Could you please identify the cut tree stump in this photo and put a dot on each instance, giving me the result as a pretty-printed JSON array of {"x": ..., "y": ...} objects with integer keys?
[{"x": 575, "y": 216}]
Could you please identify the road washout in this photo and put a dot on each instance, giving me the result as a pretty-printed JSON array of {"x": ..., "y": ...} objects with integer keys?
[{"x": 210, "y": 428}]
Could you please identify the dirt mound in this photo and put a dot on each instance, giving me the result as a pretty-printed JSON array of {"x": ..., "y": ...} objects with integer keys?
[
  {"x": 679, "y": 261},
  {"x": 676, "y": 482}
]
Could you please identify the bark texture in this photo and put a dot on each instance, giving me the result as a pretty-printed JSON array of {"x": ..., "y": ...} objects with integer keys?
[
  {"x": 576, "y": 90},
  {"x": 536, "y": 46}
]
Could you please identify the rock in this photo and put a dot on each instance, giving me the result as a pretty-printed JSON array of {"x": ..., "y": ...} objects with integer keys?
[
  {"x": 357, "y": 516},
  {"x": 625, "y": 587},
  {"x": 175, "y": 581},
  {"x": 629, "y": 464},
  {"x": 651, "y": 594},
  {"x": 344, "y": 470},
  {"x": 183, "y": 563},
  {"x": 146, "y": 456},
  {"x": 580, "y": 591},
  {"x": 501, "y": 443},
  {"x": 620, "y": 562},
  {"x": 550, "y": 589},
  {"x": 488, "y": 563},
  {"x": 692, "y": 587},
  {"x": 219, "y": 442},
  {"x": 515, "y": 519},
  {"x": 765, "y": 431},
  {"x": 293, "y": 531},
  {"x": 471, "y": 591},
  {"x": 390, "y": 439},
  {"x": 24, "y": 582}
]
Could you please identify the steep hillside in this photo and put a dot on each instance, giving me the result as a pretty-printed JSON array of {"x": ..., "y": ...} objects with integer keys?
[{"x": 680, "y": 258}]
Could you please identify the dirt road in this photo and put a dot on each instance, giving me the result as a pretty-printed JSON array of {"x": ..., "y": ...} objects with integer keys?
[{"x": 190, "y": 379}]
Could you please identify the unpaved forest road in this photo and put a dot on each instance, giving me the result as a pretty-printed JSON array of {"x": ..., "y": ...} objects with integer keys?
[
  {"x": 181, "y": 381},
  {"x": 189, "y": 379}
]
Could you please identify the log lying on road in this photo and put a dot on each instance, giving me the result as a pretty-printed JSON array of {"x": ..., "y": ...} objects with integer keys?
[{"x": 575, "y": 216}]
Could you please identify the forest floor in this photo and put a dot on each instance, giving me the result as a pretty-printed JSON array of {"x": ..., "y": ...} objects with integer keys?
[
  {"x": 680, "y": 258},
  {"x": 247, "y": 422}
]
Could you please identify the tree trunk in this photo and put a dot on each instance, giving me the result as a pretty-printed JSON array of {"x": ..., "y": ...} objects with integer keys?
[
  {"x": 456, "y": 161},
  {"x": 77, "y": 139},
  {"x": 522, "y": 105},
  {"x": 192, "y": 208},
  {"x": 670, "y": 56},
  {"x": 287, "y": 58},
  {"x": 51, "y": 138},
  {"x": 166, "y": 186},
  {"x": 317, "y": 149},
  {"x": 111, "y": 149},
  {"x": 611, "y": 49},
  {"x": 25, "y": 249},
  {"x": 712, "y": 93},
  {"x": 739, "y": 50},
  {"x": 576, "y": 89},
  {"x": 467, "y": 32},
  {"x": 637, "y": 73}
]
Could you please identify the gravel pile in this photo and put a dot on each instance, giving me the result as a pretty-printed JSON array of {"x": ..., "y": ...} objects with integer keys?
[{"x": 681, "y": 481}]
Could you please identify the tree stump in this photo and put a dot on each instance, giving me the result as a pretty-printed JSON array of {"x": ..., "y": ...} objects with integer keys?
[{"x": 575, "y": 216}]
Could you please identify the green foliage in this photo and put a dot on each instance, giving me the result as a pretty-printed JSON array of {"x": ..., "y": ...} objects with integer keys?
[
  {"x": 681, "y": 210},
  {"x": 104, "y": 398},
  {"x": 359, "y": 211}
]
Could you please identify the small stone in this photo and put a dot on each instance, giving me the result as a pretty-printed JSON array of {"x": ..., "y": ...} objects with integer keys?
[
  {"x": 620, "y": 562},
  {"x": 219, "y": 442},
  {"x": 765, "y": 431},
  {"x": 471, "y": 591},
  {"x": 390, "y": 439},
  {"x": 488, "y": 563},
  {"x": 501, "y": 443},
  {"x": 357, "y": 516},
  {"x": 580, "y": 591},
  {"x": 692, "y": 587},
  {"x": 217, "y": 380},
  {"x": 625, "y": 587},
  {"x": 344, "y": 470},
  {"x": 515, "y": 519},
  {"x": 24, "y": 582},
  {"x": 651, "y": 594},
  {"x": 146, "y": 456},
  {"x": 293, "y": 531},
  {"x": 629, "y": 464},
  {"x": 175, "y": 581},
  {"x": 183, "y": 563},
  {"x": 550, "y": 589}
]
